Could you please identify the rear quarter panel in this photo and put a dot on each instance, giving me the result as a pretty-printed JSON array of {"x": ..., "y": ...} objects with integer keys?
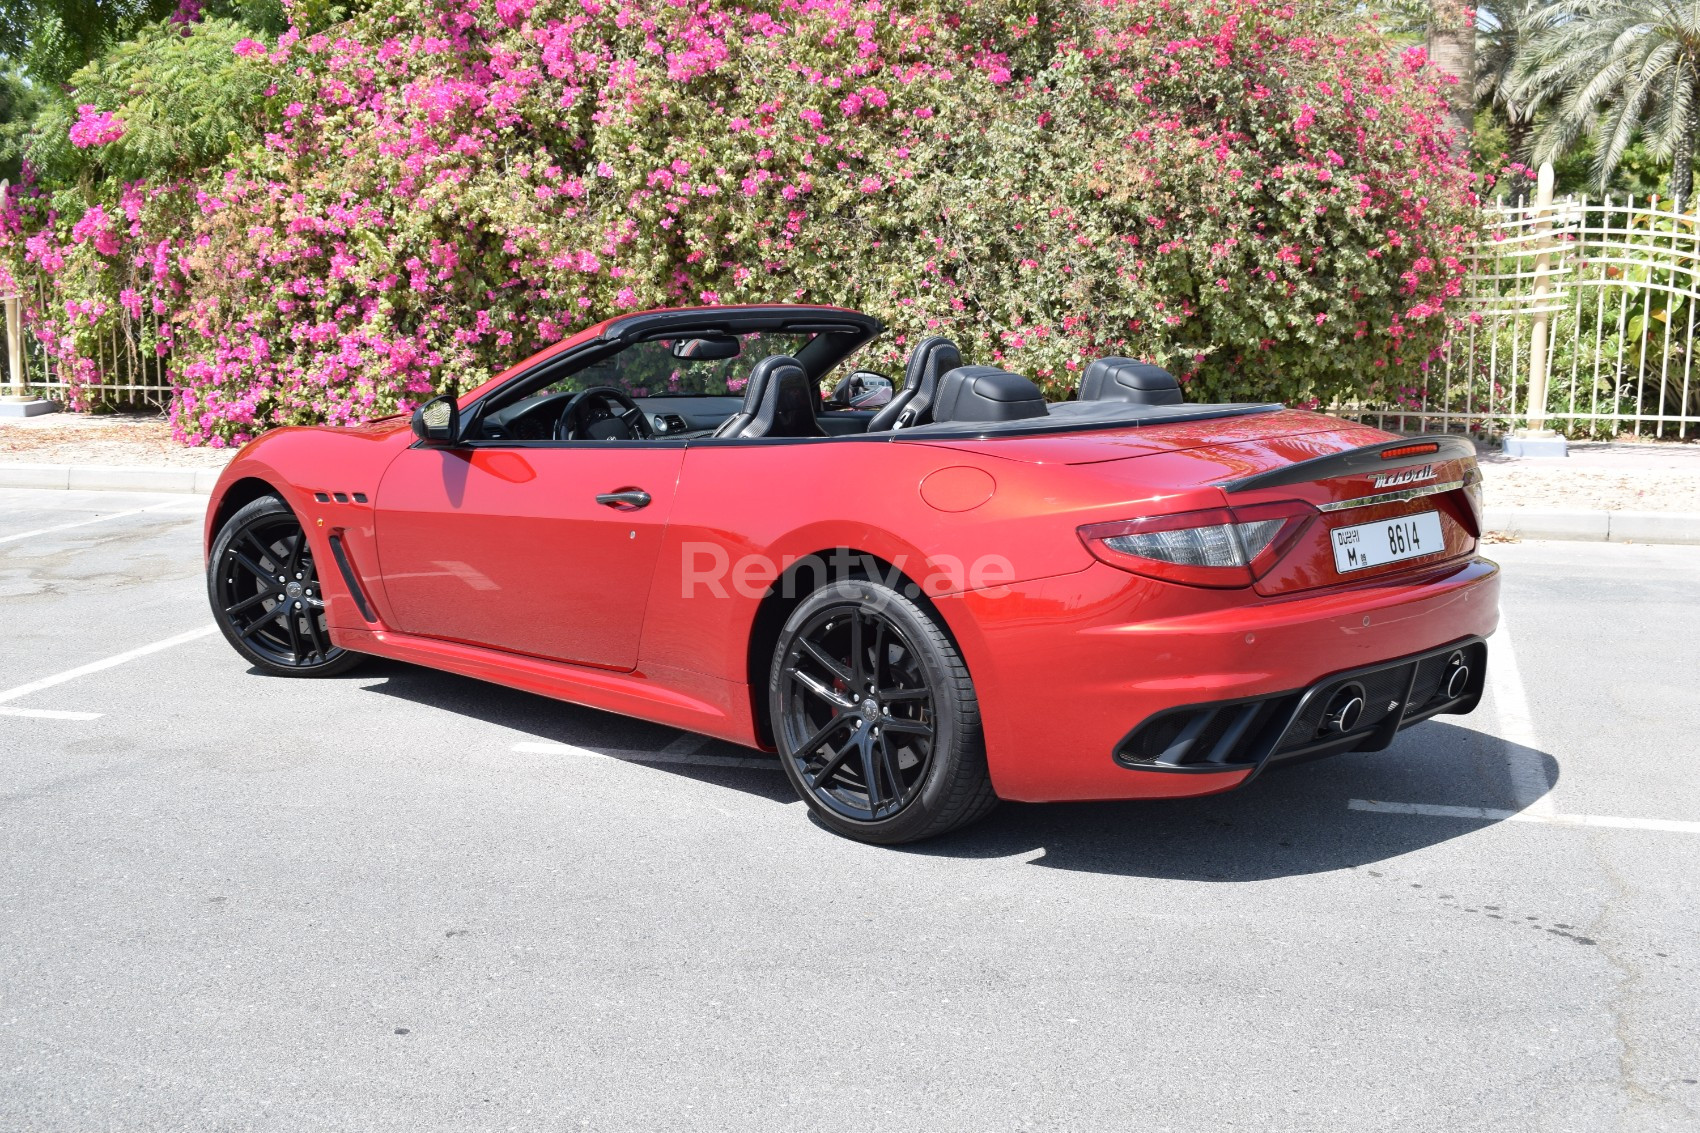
[{"x": 765, "y": 505}]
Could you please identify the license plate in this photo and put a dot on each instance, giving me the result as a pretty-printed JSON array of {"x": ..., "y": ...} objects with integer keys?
[{"x": 1387, "y": 541}]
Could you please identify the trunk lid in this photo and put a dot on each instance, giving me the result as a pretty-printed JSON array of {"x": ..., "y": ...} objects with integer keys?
[
  {"x": 1354, "y": 475},
  {"x": 1393, "y": 507}
]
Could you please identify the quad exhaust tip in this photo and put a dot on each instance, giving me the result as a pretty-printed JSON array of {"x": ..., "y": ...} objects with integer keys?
[
  {"x": 1458, "y": 676},
  {"x": 1344, "y": 710}
]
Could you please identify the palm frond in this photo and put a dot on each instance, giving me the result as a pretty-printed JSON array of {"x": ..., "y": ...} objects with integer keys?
[{"x": 1617, "y": 68}]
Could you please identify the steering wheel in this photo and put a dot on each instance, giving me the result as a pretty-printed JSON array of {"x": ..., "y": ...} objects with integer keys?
[{"x": 602, "y": 413}]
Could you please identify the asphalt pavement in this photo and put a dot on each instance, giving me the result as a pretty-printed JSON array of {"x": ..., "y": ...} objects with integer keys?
[{"x": 400, "y": 899}]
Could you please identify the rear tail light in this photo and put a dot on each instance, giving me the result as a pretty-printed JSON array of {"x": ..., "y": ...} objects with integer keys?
[
  {"x": 1473, "y": 495},
  {"x": 1222, "y": 547}
]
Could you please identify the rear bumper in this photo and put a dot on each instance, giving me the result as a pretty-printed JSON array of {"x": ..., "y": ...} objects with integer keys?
[
  {"x": 1069, "y": 669},
  {"x": 1360, "y": 710}
]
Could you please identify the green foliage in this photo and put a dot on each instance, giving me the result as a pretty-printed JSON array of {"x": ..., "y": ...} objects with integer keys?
[
  {"x": 20, "y": 102},
  {"x": 1620, "y": 70},
  {"x": 1638, "y": 172},
  {"x": 51, "y": 39},
  {"x": 185, "y": 99}
]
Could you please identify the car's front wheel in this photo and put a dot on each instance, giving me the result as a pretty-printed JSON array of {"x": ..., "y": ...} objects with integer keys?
[
  {"x": 264, "y": 587},
  {"x": 875, "y": 716}
]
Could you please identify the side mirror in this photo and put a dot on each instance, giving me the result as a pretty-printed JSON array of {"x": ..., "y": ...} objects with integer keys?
[
  {"x": 868, "y": 389},
  {"x": 437, "y": 422}
]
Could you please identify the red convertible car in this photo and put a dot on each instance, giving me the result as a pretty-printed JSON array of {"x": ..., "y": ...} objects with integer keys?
[{"x": 966, "y": 594}]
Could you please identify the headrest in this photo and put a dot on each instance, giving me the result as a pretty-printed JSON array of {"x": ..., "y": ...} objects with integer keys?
[
  {"x": 780, "y": 401},
  {"x": 1123, "y": 379},
  {"x": 986, "y": 393}
]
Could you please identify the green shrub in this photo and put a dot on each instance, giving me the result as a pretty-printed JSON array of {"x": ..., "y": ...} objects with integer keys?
[{"x": 435, "y": 189}]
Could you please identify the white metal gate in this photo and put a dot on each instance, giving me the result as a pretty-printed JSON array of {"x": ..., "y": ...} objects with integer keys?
[
  {"x": 124, "y": 369},
  {"x": 1595, "y": 301}
]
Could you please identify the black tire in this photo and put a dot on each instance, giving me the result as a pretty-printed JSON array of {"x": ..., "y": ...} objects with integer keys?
[
  {"x": 262, "y": 582},
  {"x": 866, "y": 687}
]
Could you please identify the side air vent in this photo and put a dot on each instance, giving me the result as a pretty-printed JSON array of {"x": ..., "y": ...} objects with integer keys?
[{"x": 353, "y": 583}]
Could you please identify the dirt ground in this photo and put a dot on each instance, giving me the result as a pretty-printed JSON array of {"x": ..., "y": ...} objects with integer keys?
[
  {"x": 1598, "y": 476},
  {"x": 1609, "y": 476},
  {"x": 123, "y": 440}
]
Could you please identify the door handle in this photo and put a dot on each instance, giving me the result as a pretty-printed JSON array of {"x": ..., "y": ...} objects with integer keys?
[{"x": 627, "y": 499}]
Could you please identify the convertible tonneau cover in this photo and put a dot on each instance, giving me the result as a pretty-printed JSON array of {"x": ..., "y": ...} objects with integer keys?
[{"x": 1080, "y": 416}]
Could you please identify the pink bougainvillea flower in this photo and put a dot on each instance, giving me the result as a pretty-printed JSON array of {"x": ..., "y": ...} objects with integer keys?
[{"x": 94, "y": 127}]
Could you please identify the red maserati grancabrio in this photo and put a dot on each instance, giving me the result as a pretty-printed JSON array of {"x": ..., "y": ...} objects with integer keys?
[{"x": 965, "y": 594}]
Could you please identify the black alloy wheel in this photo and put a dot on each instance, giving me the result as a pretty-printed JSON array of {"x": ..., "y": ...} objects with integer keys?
[
  {"x": 263, "y": 583},
  {"x": 875, "y": 717}
]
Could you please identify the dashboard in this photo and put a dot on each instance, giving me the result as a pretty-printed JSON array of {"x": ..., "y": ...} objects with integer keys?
[
  {"x": 534, "y": 418},
  {"x": 672, "y": 418}
]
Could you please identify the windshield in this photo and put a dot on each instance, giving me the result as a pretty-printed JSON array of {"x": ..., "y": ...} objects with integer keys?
[{"x": 673, "y": 367}]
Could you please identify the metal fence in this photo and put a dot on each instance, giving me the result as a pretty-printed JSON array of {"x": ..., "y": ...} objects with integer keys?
[
  {"x": 1580, "y": 317},
  {"x": 127, "y": 370}
]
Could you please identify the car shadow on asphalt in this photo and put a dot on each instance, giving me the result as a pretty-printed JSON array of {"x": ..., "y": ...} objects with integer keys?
[
  {"x": 1290, "y": 821},
  {"x": 557, "y": 721}
]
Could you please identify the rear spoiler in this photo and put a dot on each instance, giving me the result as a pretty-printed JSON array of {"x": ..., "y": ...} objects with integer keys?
[{"x": 1404, "y": 453}]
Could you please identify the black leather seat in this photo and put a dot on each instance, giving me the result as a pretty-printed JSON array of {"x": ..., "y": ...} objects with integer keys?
[
  {"x": 931, "y": 360},
  {"x": 779, "y": 401},
  {"x": 1123, "y": 379},
  {"x": 986, "y": 393}
]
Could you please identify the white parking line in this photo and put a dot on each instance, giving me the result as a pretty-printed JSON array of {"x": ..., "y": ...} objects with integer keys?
[
  {"x": 104, "y": 663},
  {"x": 1488, "y": 814},
  {"x": 663, "y": 756},
  {"x": 86, "y": 522},
  {"x": 1530, "y": 787},
  {"x": 1529, "y": 783},
  {"x": 48, "y": 714}
]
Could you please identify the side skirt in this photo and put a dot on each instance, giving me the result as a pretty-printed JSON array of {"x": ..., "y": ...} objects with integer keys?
[{"x": 655, "y": 696}]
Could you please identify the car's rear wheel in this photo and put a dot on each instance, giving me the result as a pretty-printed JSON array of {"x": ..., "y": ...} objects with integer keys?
[
  {"x": 875, "y": 716},
  {"x": 264, "y": 587}
]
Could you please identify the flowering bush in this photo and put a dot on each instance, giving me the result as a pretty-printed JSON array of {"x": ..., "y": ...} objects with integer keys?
[{"x": 437, "y": 187}]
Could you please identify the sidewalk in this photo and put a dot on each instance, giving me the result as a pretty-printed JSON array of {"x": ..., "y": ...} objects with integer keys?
[
  {"x": 1615, "y": 491},
  {"x": 1605, "y": 491}
]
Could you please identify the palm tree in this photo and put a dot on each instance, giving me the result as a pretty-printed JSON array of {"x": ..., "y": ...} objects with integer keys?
[
  {"x": 1452, "y": 50},
  {"x": 1622, "y": 67},
  {"x": 1502, "y": 32}
]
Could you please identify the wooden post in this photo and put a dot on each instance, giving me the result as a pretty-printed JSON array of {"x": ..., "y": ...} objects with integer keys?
[
  {"x": 1536, "y": 439},
  {"x": 15, "y": 343},
  {"x": 1543, "y": 288},
  {"x": 15, "y": 402}
]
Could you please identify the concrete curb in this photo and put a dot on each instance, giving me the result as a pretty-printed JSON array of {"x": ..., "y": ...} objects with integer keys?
[
  {"x": 103, "y": 478},
  {"x": 1595, "y": 526}
]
